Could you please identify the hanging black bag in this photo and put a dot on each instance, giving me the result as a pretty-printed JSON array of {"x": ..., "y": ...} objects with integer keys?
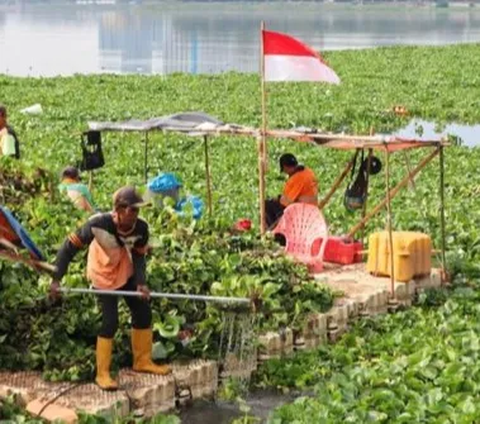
[
  {"x": 92, "y": 154},
  {"x": 356, "y": 192}
]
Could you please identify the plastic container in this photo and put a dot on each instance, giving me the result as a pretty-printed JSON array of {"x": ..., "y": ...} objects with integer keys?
[
  {"x": 412, "y": 255},
  {"x": 340, "y": 250}
]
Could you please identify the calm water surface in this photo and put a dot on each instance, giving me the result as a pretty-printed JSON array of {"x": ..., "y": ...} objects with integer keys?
[{"x": 203, "y": 37}]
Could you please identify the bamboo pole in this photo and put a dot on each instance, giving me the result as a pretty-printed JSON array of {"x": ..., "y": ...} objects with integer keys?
[
  {"x": 389, "y": 221},
  {"x": 364, "y": 209},
  {"x": 393, "y": 192},
  {"x": 335, "y": 185},
  {"x": 207, "y": 173},
  {"x": 442, "y": 211},
  {"x": 145, "y": 165},
  {"x": 262, "y": 138},
  {"x": 90, "y": 180},
  {"x": 409, "y": 168},
  {"x": 37, "y": 265},
  {"x": 261, "y": 186}
]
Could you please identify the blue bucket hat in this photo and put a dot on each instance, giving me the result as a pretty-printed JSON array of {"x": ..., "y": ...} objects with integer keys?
[{"x": 164, "y": 182}]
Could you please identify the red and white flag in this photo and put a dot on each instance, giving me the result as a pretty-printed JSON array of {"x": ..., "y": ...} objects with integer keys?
[{"x": 287, "y": 59}]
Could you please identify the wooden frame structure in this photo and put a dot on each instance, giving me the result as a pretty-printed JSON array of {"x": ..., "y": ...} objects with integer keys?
[{"x": 386, "y": 144}]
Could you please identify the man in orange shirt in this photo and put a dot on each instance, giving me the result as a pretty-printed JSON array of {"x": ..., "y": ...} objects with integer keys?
[
  {"x": 117, "y": 243},
  {"x": 301, "y": 187}
]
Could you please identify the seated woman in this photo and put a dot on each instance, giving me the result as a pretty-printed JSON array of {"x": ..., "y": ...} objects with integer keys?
[
  {"x": 78, "y": 193},
  {"x": 301, "y": 187}
]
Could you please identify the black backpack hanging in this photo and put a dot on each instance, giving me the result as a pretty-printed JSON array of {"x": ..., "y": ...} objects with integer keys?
[
  {"x": 356, "y": 192},
  {"x": 92, "y": 154}
]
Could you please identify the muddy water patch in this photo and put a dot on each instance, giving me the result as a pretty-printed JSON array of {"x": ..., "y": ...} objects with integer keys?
[{"x": 260, "y": 404}]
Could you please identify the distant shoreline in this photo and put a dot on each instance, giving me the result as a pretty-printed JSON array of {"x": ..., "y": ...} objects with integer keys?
[{"x": 368, "y": 4}]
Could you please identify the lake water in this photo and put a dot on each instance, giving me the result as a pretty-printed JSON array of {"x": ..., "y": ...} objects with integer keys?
[
  {"x": 162, "y": 38},
  {"x": 469, "y": 135}
]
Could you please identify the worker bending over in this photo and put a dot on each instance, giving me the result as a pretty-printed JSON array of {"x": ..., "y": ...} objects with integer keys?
[
  {"x": 301, "y": 187},
  {"x": 117, "y": 243},
  {"x": 76, "y": 191}
]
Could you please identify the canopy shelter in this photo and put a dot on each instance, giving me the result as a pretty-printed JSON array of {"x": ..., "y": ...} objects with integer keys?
[
  {"x": 196, "y": 124},
  {"x": 202, "y": 125}
]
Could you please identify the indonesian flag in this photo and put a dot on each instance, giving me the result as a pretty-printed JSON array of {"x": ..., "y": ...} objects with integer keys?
[{"x": 287, "y": 59}]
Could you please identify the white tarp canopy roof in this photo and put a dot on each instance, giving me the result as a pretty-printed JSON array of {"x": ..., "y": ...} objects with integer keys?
[
  {"x": 199, "y": 123},
  {"x": 192, "y": 123}
]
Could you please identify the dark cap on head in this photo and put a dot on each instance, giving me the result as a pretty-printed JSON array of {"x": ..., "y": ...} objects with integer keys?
[
  {"x": 71, "y": 172},
  {"x": 3, "y": 110},
  {"x": 289, "y": 160},
  {"x": 127, "y": 196}
]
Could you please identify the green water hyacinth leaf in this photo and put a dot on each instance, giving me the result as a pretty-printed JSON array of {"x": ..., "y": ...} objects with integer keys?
[
  {"x": 159, "y": 351},
  {"x": 169, "y": 327}
]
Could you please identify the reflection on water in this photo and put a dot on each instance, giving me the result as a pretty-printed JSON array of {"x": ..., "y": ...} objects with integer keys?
[
  {"x": 203, "y": 37},
  {"x": 417, "y": 128},
  {"x": 261, "y": 404}
]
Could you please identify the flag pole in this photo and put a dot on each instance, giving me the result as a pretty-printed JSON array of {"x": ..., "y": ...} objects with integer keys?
[{"x": 262, "y": 155}]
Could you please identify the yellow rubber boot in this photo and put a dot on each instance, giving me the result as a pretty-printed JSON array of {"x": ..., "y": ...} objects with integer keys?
[
  {"x": 104, "y": 360},
  {"x": 142, "y": 353}
]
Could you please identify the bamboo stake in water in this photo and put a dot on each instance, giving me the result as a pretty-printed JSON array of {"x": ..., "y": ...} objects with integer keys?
[{"x": 442, "y": 212}]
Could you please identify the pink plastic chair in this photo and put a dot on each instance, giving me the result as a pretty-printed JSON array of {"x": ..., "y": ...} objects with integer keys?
[{"x": 303, "y": 226}]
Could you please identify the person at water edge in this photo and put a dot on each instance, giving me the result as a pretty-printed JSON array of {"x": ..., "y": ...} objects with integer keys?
[
  {"x": 77, "y": 192},
  {"x": 118, "y": 243},
  {"x": 10, "y": 146},
  {"x": 301, "y": 187}
]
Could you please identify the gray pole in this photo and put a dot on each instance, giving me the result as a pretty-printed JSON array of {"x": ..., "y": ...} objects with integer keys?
[{"x": 203, "y": 298}]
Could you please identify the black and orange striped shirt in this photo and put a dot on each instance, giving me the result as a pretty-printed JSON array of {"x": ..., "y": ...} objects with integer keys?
[{"x": 113, "y": 257}]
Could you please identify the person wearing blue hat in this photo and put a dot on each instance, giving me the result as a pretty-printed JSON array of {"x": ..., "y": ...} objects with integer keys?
[{"x": 167, "y": 185}]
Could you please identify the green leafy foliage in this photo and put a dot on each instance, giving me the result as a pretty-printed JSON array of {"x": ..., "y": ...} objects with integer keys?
[
  {"x": 415, "y": 366},
  {"x": 205, "y": 257}
]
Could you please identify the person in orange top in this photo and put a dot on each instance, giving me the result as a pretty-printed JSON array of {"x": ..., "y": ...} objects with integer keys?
[
  {"x": 301, "y": 187},
  {"x": 117, "y": 244}
]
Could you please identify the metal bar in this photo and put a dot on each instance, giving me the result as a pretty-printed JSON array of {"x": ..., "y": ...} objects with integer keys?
[
  {"x": 207, "y": 172},
  {"x": 442, "y": 210},
  {"x": 389, "y": 221},
  {"x": 158, "y": 295},
  {"x": 393, "y": 192}
]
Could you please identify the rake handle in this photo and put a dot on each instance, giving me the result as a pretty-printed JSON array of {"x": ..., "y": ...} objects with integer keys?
[{"x": 159, "y": 295}]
